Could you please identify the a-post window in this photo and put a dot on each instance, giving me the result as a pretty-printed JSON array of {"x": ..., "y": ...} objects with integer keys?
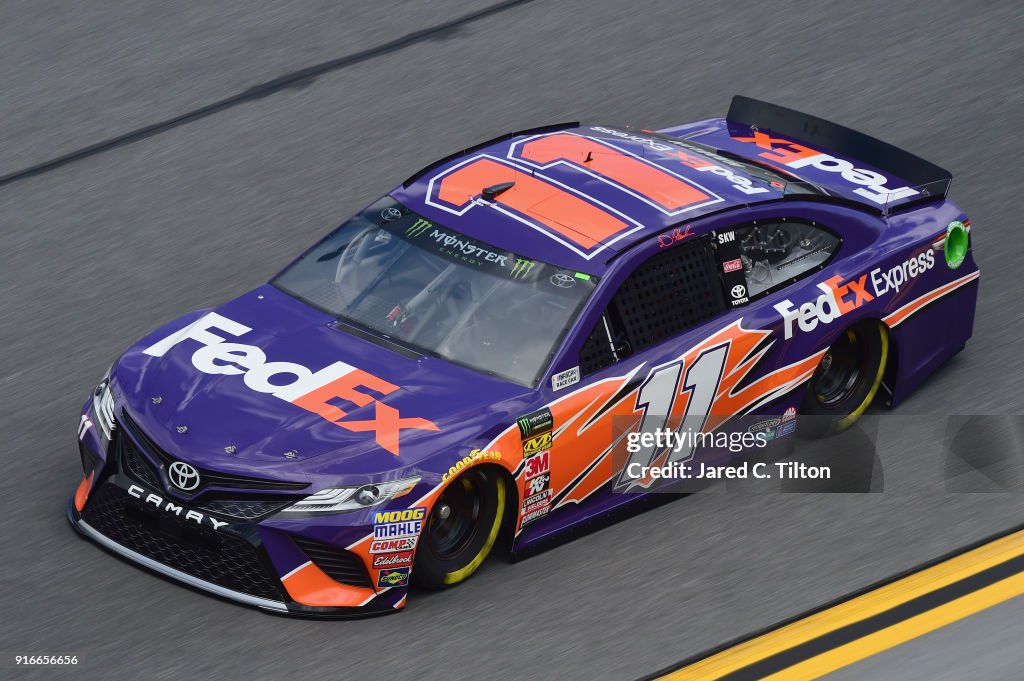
[{"x": 672, "y": 291}]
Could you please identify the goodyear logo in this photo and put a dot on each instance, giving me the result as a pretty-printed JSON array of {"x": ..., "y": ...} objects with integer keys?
[
  {"x": 475, "y": 455},
  {"x": 537, "y": 444},
  {"x": 391, "y": 577},
  {"x": 417, "y": 513}
]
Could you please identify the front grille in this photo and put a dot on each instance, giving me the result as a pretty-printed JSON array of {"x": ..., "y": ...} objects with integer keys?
[
  {"x": 134, "y": 462},
  {"x": 208, "y": 477},
  {"x": 337, "y": 563},
  {"x": 211, "y": 556},
  {"x": 240, "y": 508},
  {"x": 137, "y": 466}
]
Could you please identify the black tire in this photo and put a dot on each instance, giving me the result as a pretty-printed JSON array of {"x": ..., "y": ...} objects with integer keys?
[
  {"x": 846, "y": 380},
  {"x": 453, "y": 546}
]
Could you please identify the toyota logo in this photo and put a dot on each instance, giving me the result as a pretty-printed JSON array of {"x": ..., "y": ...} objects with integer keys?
[
  {"x": 739, "y": 290},
  {"x": 183, "y": 476},
  {"x": 390, "y": 214},
  {"x": 563, "y": 280}
]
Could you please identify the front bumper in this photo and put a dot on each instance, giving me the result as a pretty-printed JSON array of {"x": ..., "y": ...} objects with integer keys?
[
  {"x": 88, "y": 531},
  {"x": 285, "y": 567}
]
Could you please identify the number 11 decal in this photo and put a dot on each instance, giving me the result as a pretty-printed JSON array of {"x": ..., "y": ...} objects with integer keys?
[
  {"x": 556, "y": 202},
  {"x": 659, "y": 396}
]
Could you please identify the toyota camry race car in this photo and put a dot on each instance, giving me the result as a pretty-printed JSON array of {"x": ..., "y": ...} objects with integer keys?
[{"x": 466, "y": 360}]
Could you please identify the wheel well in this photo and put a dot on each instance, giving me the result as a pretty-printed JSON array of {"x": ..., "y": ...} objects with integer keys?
[
  {"x": 511, "y": 502},
  {"x": 891, "y": 365}
]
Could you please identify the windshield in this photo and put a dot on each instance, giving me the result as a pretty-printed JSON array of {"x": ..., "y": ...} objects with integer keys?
[{"x": 394, "y": 274}]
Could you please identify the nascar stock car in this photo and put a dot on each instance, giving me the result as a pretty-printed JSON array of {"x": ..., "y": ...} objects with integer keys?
[{"x": 460, "y": 361}]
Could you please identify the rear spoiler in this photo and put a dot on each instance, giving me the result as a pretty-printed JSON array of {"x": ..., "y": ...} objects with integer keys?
[{"x": 931, "y": 180}]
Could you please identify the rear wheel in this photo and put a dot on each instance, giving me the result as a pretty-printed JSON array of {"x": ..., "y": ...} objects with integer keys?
[
  {"x": 461, "y": 529},
  {"x": 846, "y": 380}
]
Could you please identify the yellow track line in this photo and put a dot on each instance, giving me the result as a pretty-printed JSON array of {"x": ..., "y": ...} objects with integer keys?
[
  {"x": 855, "y": 610},
  {"x": 893, "y": 636}
]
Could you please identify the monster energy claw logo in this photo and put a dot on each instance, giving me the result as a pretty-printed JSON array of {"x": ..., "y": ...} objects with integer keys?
[
  {"x": 522, "y": 268},
  {"x": 418, "y": 228}
]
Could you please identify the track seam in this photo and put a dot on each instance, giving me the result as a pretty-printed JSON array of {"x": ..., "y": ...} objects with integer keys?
[{"x": 298, "y": 79}]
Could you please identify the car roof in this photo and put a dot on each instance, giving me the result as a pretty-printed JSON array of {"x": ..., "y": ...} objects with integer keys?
[{"x": 581, "y": 193}]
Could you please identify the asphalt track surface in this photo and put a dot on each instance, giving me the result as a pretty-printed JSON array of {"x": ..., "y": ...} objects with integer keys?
[{"x": 101, "y": 248}]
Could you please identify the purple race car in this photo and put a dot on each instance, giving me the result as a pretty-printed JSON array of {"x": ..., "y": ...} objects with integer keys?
[{"x": 472, "y": 357}]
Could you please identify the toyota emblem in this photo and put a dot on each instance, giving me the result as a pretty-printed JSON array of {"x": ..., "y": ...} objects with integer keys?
[
  {"x": 183, "y": 476},
  {"x": 739, "y": 290},
  {"x": 563, "y": 280}
]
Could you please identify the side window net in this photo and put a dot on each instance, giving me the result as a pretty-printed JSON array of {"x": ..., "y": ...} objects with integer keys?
[{"x": 672, "y": 291}]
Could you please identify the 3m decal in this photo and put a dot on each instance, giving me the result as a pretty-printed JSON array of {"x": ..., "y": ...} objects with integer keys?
[
  {"x": 316, "y": 391},
  {"x": 538, "y": 464}
]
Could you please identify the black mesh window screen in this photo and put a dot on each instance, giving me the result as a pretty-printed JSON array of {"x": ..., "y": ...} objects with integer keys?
[
  {"x": 597, "y": 351},
  {"x": 671, "y": 292}
]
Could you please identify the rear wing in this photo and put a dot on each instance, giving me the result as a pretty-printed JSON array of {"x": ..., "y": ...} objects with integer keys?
[{"x": 840, "y": 160}]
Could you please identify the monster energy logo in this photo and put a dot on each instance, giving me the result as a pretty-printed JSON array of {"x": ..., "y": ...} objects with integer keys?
[
  {"x": 537, "y": 422},
  {"x": 522, "y": 268},
  {"x": 418, "y": 228}
]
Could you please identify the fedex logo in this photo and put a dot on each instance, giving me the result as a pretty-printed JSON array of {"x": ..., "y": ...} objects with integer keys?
[
  {"x": 871, "y": 184},
  {"x": 837, "y": 298},
  {"x": 314, "y": 391}
]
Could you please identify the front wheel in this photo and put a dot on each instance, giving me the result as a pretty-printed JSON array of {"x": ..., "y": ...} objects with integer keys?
[
  {"x": 461, "y": 529},
  {"x": 846, "y": 380}
]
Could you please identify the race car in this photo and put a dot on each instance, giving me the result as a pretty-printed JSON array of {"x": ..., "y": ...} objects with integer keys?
[{"x": 469, "y": 360}]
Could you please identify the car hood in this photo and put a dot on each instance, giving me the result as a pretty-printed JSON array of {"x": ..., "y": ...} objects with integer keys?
[{"x": 384, "y": 410}]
